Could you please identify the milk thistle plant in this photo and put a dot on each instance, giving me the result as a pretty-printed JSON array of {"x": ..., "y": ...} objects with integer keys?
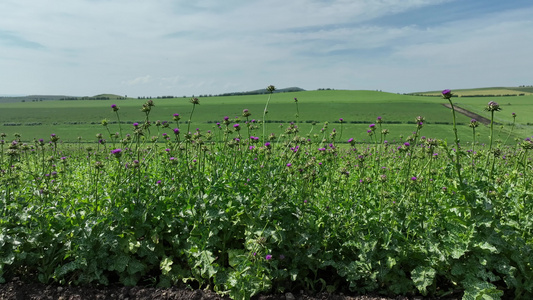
[
  {"x": 447, "y": 94},
  {"x": 491, "y": 107},
  {"x": 270, "y": 89}
]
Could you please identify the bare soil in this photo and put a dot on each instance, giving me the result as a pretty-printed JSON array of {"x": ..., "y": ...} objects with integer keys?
[
  {"x": 469, "y": 114},
  {"x": 18, "y": 290}
]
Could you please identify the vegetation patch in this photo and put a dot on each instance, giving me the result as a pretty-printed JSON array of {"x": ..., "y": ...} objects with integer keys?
[{"x": 242, "y": 210}]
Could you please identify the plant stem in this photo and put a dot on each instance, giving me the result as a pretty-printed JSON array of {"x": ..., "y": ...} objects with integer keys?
[
  {"x": 457, "y": 164},
  {"x": 264, "y": 117}
]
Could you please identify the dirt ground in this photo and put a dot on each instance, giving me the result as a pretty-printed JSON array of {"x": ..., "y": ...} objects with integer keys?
[
  {"x": 469, "y": 114},
  {"x": 17, "y": 290}
]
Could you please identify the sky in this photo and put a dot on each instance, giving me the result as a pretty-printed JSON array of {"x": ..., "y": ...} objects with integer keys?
[{"x": 185, "y": 47}]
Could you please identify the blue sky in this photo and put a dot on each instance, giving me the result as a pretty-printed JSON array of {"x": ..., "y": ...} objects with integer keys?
[{"x": 165, "y": 47}]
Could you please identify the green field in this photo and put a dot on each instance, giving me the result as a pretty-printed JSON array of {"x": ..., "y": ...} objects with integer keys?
[
  {"x": 73, "y": 119},
  {"x": 253, "y": 215}
]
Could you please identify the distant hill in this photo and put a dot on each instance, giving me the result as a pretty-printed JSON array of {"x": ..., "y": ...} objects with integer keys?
[
  {"x": 263, "y": 91},
  {"x": 30, "y": 98},
  {"x": 37, "y": 98},
  {"x": 483, "y": 92}
]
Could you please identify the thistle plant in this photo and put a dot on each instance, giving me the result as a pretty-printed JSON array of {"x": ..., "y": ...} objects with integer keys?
[
  {"x": 246, "y": 113},
  {"x": 115, "y": 109},
  {"x": 270, "y": 89},
  {"x": 512, "y": 127},
  {"x": 447, "y": 94},
  {"x": 297, "y": 110},
  {"x": 245, "y": 216},
  {"x": 491, "y": 107},
  {"x": 473, "y": 124}
]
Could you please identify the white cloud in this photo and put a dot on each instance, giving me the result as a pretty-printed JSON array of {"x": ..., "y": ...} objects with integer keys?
[
  {"x": 139, "y": 80},
  {"x": 198, "y": 47}
]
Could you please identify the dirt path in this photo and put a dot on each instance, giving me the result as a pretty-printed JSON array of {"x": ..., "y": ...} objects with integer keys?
[{"x": 469, "y": 114}]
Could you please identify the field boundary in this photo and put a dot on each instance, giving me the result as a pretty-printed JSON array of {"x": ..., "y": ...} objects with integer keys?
[{"x": 470, "y": 114}]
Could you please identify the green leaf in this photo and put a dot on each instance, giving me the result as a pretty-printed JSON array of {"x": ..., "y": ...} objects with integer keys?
[
  {"x": 476, "y": 289},
  {"x": 135, "y": 266},
  {"x": 236, "y": 257},
  {"x": 166, "y": 265},
  {"x": 487, "y": 246},
  {"x": 121, "y": 263},
  {"x": 423, "y": 277},
  {"x": 205, "y": 261},
  {"x": 294, "y": 274}
]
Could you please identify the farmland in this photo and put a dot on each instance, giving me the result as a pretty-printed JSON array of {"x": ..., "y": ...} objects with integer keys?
[
  {"x": 247, "y": 207},
  {"x": 73, "y": 119}
]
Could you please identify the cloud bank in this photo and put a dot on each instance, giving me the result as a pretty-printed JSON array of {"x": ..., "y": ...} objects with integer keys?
[{"x": 141, "y": 48}]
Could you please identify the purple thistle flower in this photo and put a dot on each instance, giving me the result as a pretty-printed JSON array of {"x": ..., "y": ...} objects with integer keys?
[
  {"x": 413, "y": 178},
  {"x": 176, "y": 131},
  {"x": 289, "y": 164},
  {"x": 268, "y": 257}
]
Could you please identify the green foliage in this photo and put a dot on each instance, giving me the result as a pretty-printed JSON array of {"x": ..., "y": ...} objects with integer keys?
[{"x": 228, "y": 211}]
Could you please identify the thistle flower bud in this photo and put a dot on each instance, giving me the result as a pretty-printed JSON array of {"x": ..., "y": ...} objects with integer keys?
[
  {"x": 447, "y": 94},
  {"x": 493, "y": 106},
  {"x": 54, "y": 138},
  {"x": 117, "y": 153},
  {"x": 271, "y": 89}
]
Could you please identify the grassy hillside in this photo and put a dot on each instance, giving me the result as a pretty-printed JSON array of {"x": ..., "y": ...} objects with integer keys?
[{"x": 358, "y": 109}]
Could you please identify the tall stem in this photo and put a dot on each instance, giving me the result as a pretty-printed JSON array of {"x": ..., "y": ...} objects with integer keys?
[
  {"x": 490, "y": 137},
  {"x": 457, "y": 153},
  {"x": 264, "y": 117}
]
